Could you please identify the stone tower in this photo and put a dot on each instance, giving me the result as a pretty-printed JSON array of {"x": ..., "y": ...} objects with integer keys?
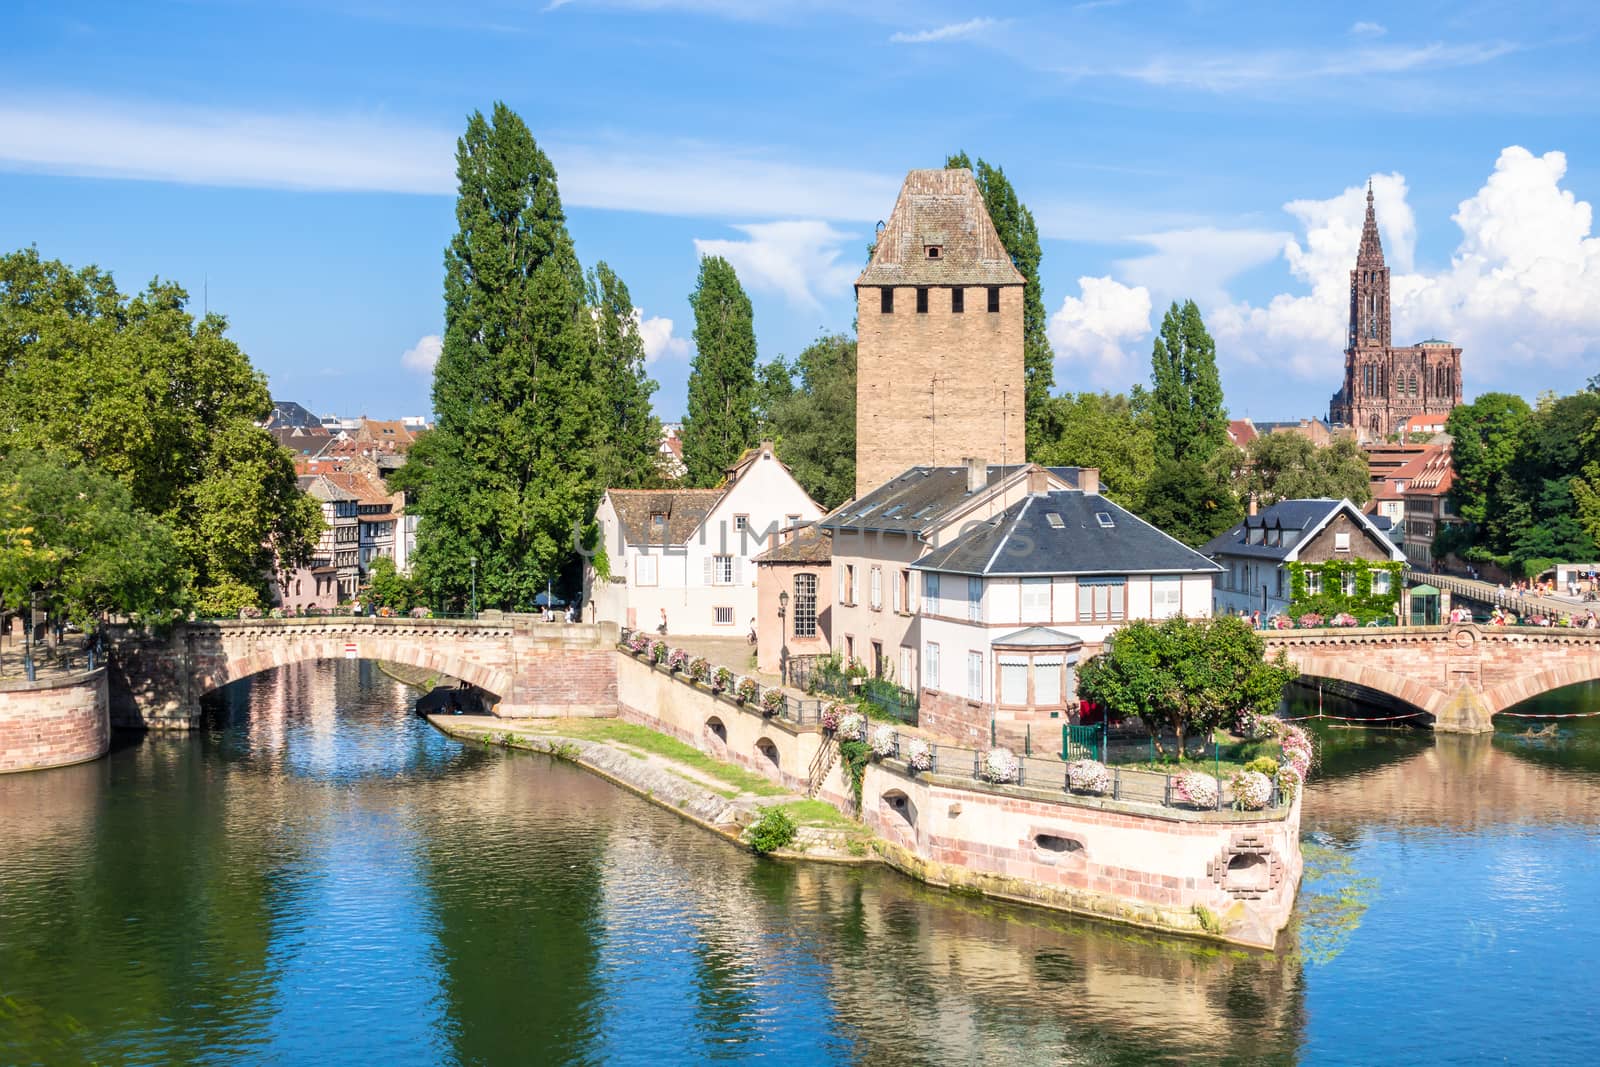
[
  {"x": 939, "y": 375},
  {"x": 1384, "y": 385}
]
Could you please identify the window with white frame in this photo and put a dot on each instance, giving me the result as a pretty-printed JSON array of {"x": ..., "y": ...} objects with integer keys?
[
  {"x": 722, "y": 616},
  {"x": 1013, "y": 679},
  {"x": 1349, "y": 582},
  {"x": 930, "y": 665},
  {"x": 975, "y": 599},
  {"x": 974, "y": 675},
  {"x": 1166, "y": 596},
  {"x": 1036, "y": 600},
  {"x": 805, "y": 605},
  {"x": 1102, "y": 599},
  {"x": 875, "y": 589},
  {"x": 1313, "y": 583},
  {"x": 644, "y": 570},
  {"x": 907, "y": 668},
  {"x": 908, "y": 600},
  {"x": 1047, "y": 680},
  {"x": 1341, "y": 542},
  {"x": 930, "y": 592},
  {"x": 721, "y": 570},
  {"x": 1380, "y": 583}
]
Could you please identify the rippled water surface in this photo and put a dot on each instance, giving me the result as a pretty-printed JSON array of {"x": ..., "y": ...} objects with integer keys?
[{"x": 320, "y": 878}]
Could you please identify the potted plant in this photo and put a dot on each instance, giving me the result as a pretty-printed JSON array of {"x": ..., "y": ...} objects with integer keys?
[
  {"x": 919, "y": 755},
  {"x": 699, "y": 667},
  {"x": 747, "y": 690},
  {"x": 1310, "y": 621},
  {"x": 884, "y": 742},
  {"x": 1193, "y": 787},
  {"x": 721, "y": 679},
  {"x": 1000, "y": 765},
  {"x": 677, "y": 660},
  {"x": 658, "y": 651},
  {"x": 771, "y": 702},
  {"x": 830, "y": 716},
  {"x": 1088, "y": 776},
  {"x": 1251, "y": 790},
  {"x": 852, "y": 726}
]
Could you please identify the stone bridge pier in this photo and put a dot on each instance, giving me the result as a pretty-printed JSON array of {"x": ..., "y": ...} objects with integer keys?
[
  {"x": 1460, "y": 675},
  {"x": 529, "y": 668}
]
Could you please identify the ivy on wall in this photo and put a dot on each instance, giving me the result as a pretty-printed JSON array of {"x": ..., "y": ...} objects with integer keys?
[{"x": 1365, "y": 605}]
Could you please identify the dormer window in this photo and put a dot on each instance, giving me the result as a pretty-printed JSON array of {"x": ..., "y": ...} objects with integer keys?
[
  {"x": 658, "y": 518},
  {"x": 934, "y": 251}
]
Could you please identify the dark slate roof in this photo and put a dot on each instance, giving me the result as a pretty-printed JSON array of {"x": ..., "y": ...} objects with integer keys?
[
  {"x": 943, "y": 208},
  {"x": 918, "y": 500},
  {"x": 1025, "y": 540},
  {"x": 1037, "y": 637},
  {"x": 289, "y": 413},
  {"x": 808, "y": 545},
  {"x": 1298, "y": 516}
]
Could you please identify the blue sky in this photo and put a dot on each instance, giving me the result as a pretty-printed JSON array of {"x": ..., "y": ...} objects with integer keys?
[{"x": 292, "y": 164}]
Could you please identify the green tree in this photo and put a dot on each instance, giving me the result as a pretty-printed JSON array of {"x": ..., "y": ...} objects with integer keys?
[
  {"x": 815, "y": 424},
  {"x": 1287, "y": 466},
  {"x": 510, "y": 469},
  {"x": 164, "y": 403},
  {"x": 627, "y": 434},
  {"x": 1190, "y": 500},
  {"x": 774, "y": 385},
  {"x": 1488, "y": 435},
  {"x": 1103, "y": 430},
  {"x": 721, "y": 421},
  {"x": 1186, "y": 393},
  {"x": 72, "y": 543},
  {"x": 388, "y": 588},
  {"x": 1189, "y": 676},
  {"x": 1020, "y": 235}
]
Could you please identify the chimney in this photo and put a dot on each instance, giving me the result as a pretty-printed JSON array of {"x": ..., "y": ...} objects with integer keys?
[
  {"x": 977, "y": 473},
  {"x": 1038, "y": 480},
  {"x": 1089, "y": 480},
  {"x": 1254, "y": 505}
]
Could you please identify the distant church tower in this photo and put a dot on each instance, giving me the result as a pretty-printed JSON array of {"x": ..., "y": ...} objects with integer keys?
[
  {"x": 1384, "y": 385},
  {"x": 939, "y": 374}
]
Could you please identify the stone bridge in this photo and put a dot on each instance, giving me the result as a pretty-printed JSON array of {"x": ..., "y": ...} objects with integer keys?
[
  {"x": 1461, "y": 675},
  {"x": 529, "y": 668}
]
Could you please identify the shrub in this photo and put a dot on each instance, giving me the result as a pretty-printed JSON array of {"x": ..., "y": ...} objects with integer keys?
[
  {"x": 1251, "y": 790},
  {"x": 1290, "y": 779},
  {"x": 1088, "y": 776},
  {"x": 677, "y": 660},
  {"x": 1310, "y": 621},
  {"x": 1264, "y": 765},
  {"x": 852, "y": 726},
  {"x": 421, "y": 613},
  {"x": 1198, "y": 789},
  {"x": 721, "y": 679},
  {"x": 999, "y": 765},
  {"x": 883, "y": 742},
  {"x": 1344, "y": 618},
  {"x": 772, "y": 701},
  {"x": 919, "y": 755},
  {"x": 658, "y": 651},
  {"x": 774, "y": 830},
  {"x": 747, "y": 690}
]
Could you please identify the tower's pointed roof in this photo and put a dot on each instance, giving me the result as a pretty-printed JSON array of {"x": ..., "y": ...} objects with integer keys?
[
  {"x": 1371, "y": 254},
  {"x": 940, "y": 233}
]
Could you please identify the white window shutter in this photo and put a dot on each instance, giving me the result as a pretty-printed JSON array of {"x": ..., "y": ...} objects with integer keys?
[
  {"x": 708, "y": 570},
  {"x": 738, "y": 570}
]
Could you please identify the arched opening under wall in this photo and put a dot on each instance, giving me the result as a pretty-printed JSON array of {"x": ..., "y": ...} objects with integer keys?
[
  {"x": 1056, "y": 847},
  {"x": 1248, "y": 872},
  {"x": 716, "y": 729},
  {"x": 900, "y": 806},
  {"x": 768, "y": 752},
  {"x": 1312, "y": 695}
]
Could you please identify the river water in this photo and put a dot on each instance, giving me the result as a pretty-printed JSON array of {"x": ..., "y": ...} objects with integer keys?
[{"x": 318, "y": 877}]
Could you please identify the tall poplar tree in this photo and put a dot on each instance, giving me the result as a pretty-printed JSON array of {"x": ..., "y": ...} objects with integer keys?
[
  {"x": 1186, "y": 394},
  {"x": 1018, "y": 232},
  {"x": 628, "y": 438},
  {"x": 509, "y": 472},
  {"x": 721, "y": 421}
]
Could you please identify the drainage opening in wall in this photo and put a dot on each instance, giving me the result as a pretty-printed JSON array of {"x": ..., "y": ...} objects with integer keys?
[
  {"x": 716, "y": 729},
  {"x": 1248, "y": 871},
  {"x": 901, "y": 805},
  {"x": 769, "y": 750},
  {"x": 1057, "y": 845}
]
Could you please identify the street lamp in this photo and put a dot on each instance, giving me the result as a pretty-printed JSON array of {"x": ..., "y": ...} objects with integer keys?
[
  {"x": 474, "y": 561},
  {"x": 783, "y": 635}
]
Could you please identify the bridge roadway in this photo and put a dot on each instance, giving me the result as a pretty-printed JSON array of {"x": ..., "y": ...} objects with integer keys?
[
  {"x": 1481, "y": 592},
  {"x": 1460, "y": 675},
  {"x": 528, "y": 667}
]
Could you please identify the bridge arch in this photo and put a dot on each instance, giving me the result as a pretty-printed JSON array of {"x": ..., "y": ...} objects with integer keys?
[
  {"x": 1418, "y": 694},
  {"x": 1508, "y": 695},
  {"x": 233, "y": 665}
]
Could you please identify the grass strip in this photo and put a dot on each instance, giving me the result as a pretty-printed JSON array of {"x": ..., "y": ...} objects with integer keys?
[{"x": 648, "y": 740}]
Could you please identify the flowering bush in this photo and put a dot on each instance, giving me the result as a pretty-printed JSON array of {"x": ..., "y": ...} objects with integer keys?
[
  {"x": 1198, "y": 789},
  {"x": 1297, "y": 750},
  {"x": 1088, "y": 776},
  {"x": 275, "y": 613},
  {"x": 658, "y": 651},
  {"x": 1344, "y": 618},
  {"x": 386, "y": 612},
  {"x": 919, "y": 755},
  {"x": 421, "y": 612},
  {"x": 721, "y": 680},
  {"x": 883, "y": 742},
  {"x": 1251, "y": 790},
  {"x": 1290, "y": 779},
  {"x": 677, "y": 660},
  {"x": 831, "y": 714},
  {"x": 772, "y": 701},
  {"x": 747, "y": 690},
  {"x": 699, "y": 667},
  {"x": 1280, "y": 622},
  {"x": 852, "y": 727},
  {"x": 1310, "y": 621},
  {"x": 639, "y": 641},
  {"x": 999, "y": 765},
  {"x": 249, "y": 611}
]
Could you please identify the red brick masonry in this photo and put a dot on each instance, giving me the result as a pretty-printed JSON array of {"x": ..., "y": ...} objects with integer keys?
[{"x": 53, "y": 723}]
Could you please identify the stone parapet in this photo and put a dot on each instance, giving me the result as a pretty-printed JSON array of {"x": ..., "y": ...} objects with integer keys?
[{"x": 54, "y": 722}]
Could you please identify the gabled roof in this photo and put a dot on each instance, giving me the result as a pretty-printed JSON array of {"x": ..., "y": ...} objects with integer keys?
[
  {"x": 920, "y": 500},
  {"x": 944, "y": 209},
  {"x": 682, "y": 511},
  {"x": 1066, "y": 531},
  {"x": 321, "y": 487},
  {"x": 1303, "y": 519},
  {"x": 1241, "y": 431}
]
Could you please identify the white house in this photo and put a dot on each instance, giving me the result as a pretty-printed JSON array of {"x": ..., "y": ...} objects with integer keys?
[
  {"x": 1010, "y": 608},
  {"x": 687, "y": 552}
]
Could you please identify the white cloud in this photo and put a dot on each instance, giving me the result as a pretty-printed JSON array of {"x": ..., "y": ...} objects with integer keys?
[
  {"x": 950, "y": 32},
  {"x": 659, "y": 340},
  {"x": 1197, "y": 263},
  {"x": 800, "y": 260},
  {"x": 1094, "y": 331},
  {"x": 1233, "y": 72},
  {"x": 107, "y": 139},
  {"x": 423, "y": 356},
  {"x": 1522, "y": 288},
  {"x": 1368, "y": 29}
]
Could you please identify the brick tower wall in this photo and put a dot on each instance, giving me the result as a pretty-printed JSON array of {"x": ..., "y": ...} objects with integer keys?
[{"x": 937, "y": 387}]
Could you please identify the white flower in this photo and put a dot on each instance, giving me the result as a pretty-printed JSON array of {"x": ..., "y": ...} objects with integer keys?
[
  {"x": 1000, "y": 765},
  {"x": 853, "y": 727},
  {"x": 919, "y": 755},
  {"x": 1251, "y": 790},
  {"x": 1198, "y": 789},
  {"x": 1088, "y": 775},
  {"x": 883, "y": 741}
]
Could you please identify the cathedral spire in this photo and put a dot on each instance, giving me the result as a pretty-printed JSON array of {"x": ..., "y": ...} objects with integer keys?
[{"x": 1371, "y": 254}]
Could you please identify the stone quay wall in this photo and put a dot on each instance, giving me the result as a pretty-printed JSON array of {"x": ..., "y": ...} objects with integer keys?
[
  {"x": 54, "y": 722},
  {"x": 1229, "y": 875}
]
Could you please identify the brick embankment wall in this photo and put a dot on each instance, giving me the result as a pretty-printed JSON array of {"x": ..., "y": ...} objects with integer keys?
[{"x": 53, "y": 723}]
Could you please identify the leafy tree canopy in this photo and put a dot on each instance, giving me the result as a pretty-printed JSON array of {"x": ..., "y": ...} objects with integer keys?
[
  {"x": 721, "y": 420},
  {"x": 1189, "y": 676},
  {"x": 628, "y": 437},
  {"x": 1190, "y": 500},
  {"x": 1105, "y": 430},
  {"x": 164, "y": 403},
  {"x": 813, "y": 421},
  {"x": 1287, "y": 466},
  {"x": 1186, "y": 393}
]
